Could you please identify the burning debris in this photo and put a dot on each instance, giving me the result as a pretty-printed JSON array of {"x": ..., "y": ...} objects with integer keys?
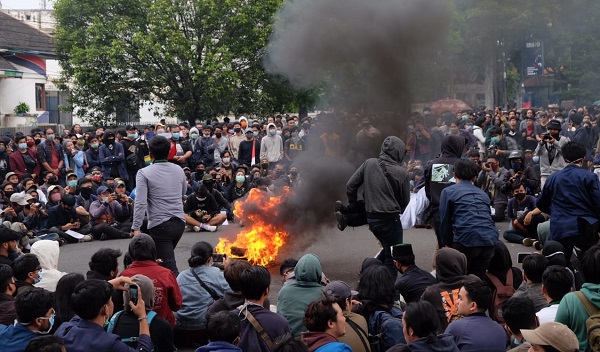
[{"x": 265, "y": 234}]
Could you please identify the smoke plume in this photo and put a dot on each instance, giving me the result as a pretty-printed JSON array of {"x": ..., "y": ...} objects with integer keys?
[{"x": 364, "y": 52}]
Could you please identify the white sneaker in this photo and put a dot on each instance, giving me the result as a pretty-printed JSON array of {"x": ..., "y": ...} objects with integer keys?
[
  {"x": 197, "y": 229},
  {"x": 88, "y": 238},
  {"x": 208, "y": 228}
]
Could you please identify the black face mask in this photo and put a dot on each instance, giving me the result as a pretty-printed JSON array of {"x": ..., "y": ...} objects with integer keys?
[
  {"x": 218, "y": 134},
  {"x": 294, "y": 173},
  {"x": 265, "y": 165},
  {"x": 209, "y": 186},
  {"x": 520, "y": 196},
  {"x": 8, "y": 193},
  {"x": 237, "y": 130},
  {"x": 52, "y": 180},
  {"x": 86, "y": 192},
  {"x": 37, "y": 141}
]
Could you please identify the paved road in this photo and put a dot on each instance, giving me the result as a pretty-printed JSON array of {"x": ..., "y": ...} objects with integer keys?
[{"x": 341, "y": 253}]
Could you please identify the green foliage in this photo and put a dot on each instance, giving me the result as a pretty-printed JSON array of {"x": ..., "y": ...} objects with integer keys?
[
  {"x": 21, "y": 108},
  {"x": 201, "y": 58}
]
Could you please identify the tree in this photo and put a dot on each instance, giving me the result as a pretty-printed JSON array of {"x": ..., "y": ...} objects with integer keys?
[{"x": 201, "y": 58}]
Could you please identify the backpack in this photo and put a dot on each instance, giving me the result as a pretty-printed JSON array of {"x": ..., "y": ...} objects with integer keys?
[
  {"x": 592, "y": 323},
  {"x": 385, "y": 329},
  {"x": 132, "y": 160},
  {"x": 501, "y": 293},
  {"x": 115, "y": 319}
]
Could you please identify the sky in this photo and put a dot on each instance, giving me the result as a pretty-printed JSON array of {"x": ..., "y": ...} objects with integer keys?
[{"x": 23, "y": 4}]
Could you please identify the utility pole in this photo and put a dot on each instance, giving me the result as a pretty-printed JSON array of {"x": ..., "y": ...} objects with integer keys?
[{"x": 43, "y": 4}]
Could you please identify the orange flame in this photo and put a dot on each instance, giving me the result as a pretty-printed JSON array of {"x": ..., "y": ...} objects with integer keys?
[{"x": 264, "y": 237}]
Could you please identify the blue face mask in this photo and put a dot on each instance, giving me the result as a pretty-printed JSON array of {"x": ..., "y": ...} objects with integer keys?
[
  {"x": 72, "y": 183},
  {"x": 495, "y": 139},
  {"x": 536, "y": 159},
  {"x": 132, "y": 135},
  {"x": 516, "y": 166},
  {"x": 22, "y": 145},
  {"x": 176, "y": 135},
  {"x": 39, "y": 278}
]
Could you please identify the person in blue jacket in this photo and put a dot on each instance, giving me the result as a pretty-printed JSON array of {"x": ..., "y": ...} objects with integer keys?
[{"x": 35, "y": 317}]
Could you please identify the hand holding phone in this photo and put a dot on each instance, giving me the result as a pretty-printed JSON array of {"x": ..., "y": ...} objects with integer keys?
[{"x": 133, "y": 293}]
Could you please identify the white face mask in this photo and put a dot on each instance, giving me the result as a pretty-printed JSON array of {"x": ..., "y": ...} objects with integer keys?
[
  {"x": 160, "y": 131},
  {"x": 226, "y": 160}
]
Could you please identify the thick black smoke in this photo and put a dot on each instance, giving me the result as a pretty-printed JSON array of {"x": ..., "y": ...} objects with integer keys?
[{"x": 364, "y": 52}]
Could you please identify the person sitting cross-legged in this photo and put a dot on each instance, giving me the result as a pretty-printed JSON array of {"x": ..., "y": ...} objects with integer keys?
[{"x": 202, "y": 211}]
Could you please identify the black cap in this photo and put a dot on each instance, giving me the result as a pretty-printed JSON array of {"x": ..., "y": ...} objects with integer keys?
[
  {"x": 7, "y": 235},
  {"x": 130, "y": 127},
  {"x": 402, "y": 250},
  {"x": 554, "y": 125}
]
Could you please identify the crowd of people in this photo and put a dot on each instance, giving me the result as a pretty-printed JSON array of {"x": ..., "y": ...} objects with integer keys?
[{"x": 460, "y": 173}]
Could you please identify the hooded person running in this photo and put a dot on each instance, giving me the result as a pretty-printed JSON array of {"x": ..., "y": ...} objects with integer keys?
[{"x": 386, "y": 194}]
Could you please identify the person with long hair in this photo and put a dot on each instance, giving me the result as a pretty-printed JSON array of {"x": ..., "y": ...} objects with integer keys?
[
  {"x": 62, "y": 306},
  {"x": 200, "y": 286}
]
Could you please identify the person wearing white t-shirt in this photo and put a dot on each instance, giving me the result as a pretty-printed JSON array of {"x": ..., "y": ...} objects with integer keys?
[{"x": 556, "y": 282}]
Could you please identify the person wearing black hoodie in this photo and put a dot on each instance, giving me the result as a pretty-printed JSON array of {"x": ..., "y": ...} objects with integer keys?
[
  {"x": 386, "y": 193},
  {"x": 439, "y": 175}
]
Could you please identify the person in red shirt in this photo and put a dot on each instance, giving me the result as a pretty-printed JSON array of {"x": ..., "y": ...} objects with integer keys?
[{"x": 167, "y": 297}]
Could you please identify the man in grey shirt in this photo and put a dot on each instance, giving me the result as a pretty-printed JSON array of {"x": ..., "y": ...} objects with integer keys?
[{"x": 160, "y": 188}]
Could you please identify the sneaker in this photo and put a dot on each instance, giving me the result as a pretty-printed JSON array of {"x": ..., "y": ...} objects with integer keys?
[
  {"x": 537, "y": 245},
  {"x": 528, "y": 242},
  {"x": 88, "y": 238},
  {"x": 338, "y": 206},
  {"x": 196, "y": 229},
  {"x": 341, "y": 220},
  {"x": 208, "y": 228}
]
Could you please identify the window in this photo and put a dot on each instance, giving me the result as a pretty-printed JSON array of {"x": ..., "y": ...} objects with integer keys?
[{"x": 40, "y": 97}]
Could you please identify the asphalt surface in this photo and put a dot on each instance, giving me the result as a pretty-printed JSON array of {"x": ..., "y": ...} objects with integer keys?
[{"x": 341, "y": 253}]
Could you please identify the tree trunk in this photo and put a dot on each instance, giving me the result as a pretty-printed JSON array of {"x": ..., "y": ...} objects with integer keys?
[{"x": 490, "y": 79}]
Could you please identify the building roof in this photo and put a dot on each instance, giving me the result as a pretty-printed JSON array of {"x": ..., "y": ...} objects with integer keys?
[
  {"x": 16, "y": 35},
  {"x": 5, "y": 65}
]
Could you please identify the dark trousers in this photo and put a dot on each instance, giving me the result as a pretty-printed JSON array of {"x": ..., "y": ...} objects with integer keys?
[
  {"x": 478, "y": 258},
  {"x": 588, "y": 236},
  {"x": 112, "y": 232},
  {"x": 499, "y": 210},
  {"x": 389, "y": 233},
  {"x": 85, "y": 230},
  {"x": 435, "y": 219},
  {"x": 166, "y": 236},
  {"x": 130, "y": 183},
  {"x": 513, "y": 236}
]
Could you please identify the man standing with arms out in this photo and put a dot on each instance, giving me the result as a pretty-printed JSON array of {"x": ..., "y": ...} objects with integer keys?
[
  {"x": 572, "y": 198},
  {"x": 160, "y": 188},
  {"x": 386, "y": 193},
  {"x": 466, "y": 221}
]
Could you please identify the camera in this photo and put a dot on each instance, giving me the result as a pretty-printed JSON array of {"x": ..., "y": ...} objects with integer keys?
[
  {"x": 117, "y": 195},
  {"x": 487, "y": 165},
  {"x": 218, "y": 257},
  {"x": 546, "y": 136}
]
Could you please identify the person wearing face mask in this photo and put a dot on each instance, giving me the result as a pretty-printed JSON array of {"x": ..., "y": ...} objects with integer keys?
[
  {"x": 205, "y": 148},
  {"x": 181, "y": 151},
  {"x": 24, "y": 161},
  {"x": 222, "y": 143},
  {"x": 549, "y": 150},
  {"x": 271, "y": 146},
  {"x": 134, "y": 155},
  {"x": 109, "y": 215},
  {"x": 50, "y": 154},
  {"x": 294, "y": 146},
  {"x": 112, "y": 157},
  {"x": 294, "y": 176},
  {"x": 92, "y": 154},
  {"x": 74, "y": 159},
  {"x": 235, "y": 140},
  {"x": 63, "y": 217},
  {"x": 238, "y": 188},
  {"x": 92, "y": 303},
  {"x": 28, "y": 272},
  {"x": 209, "y": 182},
  {"x": 520, "y": 173},
  {"x": 193, "y": 138},
  {"x": 202, "y": 211},
  {"x": 35, "y": 317},
  {"x": 518, "y": 206},
  {"x": 249, "y": 150}
]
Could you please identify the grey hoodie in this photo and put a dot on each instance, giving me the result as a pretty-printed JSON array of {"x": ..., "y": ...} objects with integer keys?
[{"x": 378, "y": 193}]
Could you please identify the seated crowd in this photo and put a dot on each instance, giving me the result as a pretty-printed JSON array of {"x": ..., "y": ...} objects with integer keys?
[{"x": 144, "y": 307}]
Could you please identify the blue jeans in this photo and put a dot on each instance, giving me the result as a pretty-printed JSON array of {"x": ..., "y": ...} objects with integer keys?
[{"x": 389, "y": 232}]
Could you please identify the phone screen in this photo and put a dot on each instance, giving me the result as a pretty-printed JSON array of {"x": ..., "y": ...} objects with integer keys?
[{"x": 133, "y": 293}]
